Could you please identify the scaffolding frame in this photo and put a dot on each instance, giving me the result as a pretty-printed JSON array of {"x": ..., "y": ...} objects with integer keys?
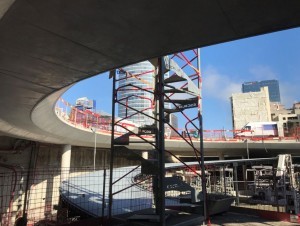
[{"x": 177, "y": 82}]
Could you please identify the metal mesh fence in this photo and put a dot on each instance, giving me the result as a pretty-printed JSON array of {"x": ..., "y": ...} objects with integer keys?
[
  {"x": 41, "y": 196},
  {"x": 36, "y": 194},
  {"x": 47, "y": 199},
  {"x": 8, "y": 189}
]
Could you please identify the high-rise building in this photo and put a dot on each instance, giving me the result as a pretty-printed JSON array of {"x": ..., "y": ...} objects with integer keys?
[
  {"x": 142, "y": 75},
  {"x": 84, "y": 103},
  {"x": 273, "y": 86}
]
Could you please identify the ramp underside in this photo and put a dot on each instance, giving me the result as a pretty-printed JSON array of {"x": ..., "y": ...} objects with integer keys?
[{"x": 48, "y": 45}]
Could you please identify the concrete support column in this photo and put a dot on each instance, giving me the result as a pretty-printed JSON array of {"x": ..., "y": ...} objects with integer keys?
[
  {"x": 65, "y": 162},
  {"x": 145, "y": 154}
]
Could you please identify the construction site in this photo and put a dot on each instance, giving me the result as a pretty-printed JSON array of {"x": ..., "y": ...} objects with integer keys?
[
  {"x": 149, "y": 161},
  {"x": 133, "y": 181}
]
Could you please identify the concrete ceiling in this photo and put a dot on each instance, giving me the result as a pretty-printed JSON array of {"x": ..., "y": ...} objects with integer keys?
[{"x": 48, "y": 45}]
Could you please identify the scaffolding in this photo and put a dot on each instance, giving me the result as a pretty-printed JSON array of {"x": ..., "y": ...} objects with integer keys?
[{"x": 175, "y": 89}]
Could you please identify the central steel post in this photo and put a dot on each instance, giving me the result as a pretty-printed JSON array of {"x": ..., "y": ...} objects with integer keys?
[{"x": 160, "y": 141}]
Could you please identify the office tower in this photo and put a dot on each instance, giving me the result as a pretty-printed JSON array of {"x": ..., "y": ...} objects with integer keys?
[
  {"x": 273, "y": 86},
  {"x": 141, "y": 75},
  {"x": 84, "y": 103}
]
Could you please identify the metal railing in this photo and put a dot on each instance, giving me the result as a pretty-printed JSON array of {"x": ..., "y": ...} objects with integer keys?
[{"x": 102, "y": 122}]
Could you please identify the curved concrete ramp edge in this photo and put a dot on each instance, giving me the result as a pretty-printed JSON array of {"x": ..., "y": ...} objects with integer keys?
[
  {"x": 54, "y": 128},
  {"x": 44, "y": 117}
]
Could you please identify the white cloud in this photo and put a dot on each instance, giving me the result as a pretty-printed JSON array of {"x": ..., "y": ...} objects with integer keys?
[
  {"x": 220, "y": 86},
  {"x": 217, "y": 85},
  {"x": 289, "y": 93},
  {"x": 262, "y": 72}
]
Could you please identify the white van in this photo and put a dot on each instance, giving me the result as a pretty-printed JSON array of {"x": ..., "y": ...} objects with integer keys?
[{"x": 259, "y": 129}]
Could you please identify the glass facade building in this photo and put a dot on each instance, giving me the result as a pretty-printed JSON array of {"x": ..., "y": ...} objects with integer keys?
[
  {"x": 273, "y": 86},
  {"x": 136, "y": 98}
]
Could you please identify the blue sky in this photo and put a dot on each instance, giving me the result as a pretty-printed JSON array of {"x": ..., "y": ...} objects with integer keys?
[{"x": 224, "y": 68}]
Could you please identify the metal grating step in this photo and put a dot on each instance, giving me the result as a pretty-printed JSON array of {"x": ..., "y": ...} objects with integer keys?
[
  {"x": 150, "y": 167},
  {"x": 175, "y": 78},
  {"x": 122, "y": 140},
  {"x": 174, "y": 90},
  {"x": 170, "y": 111},
  {"x": 124, "y": 152},
  {"x": 184, "y": 103}
]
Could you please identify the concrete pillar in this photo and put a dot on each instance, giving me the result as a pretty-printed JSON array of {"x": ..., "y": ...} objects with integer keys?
[
  {"x": 65, "y": 162},
  {"x": 145, "y": 154}
]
